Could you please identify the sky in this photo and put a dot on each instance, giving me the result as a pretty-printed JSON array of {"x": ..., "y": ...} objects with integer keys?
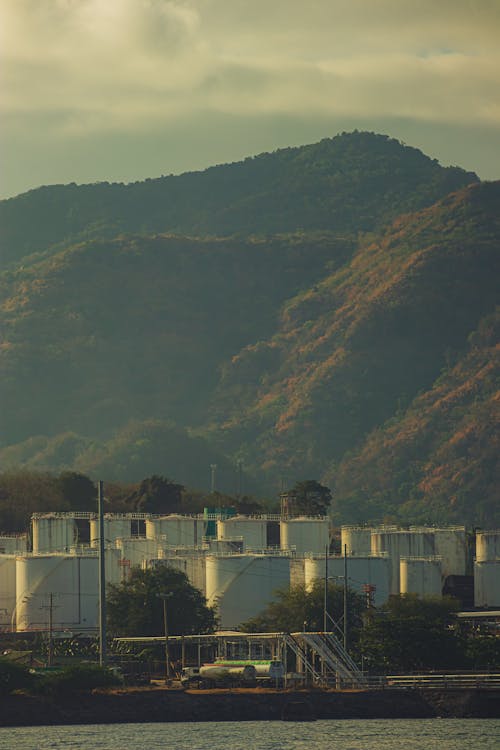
[{"x": 121, "y": 90}]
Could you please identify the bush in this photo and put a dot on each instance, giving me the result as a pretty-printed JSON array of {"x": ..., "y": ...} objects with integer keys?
[
  {"x": 77, "y": 678},
  {"x": 13, "y": 677}
]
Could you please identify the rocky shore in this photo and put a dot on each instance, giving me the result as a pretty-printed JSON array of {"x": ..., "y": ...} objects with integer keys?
[{"x": 152, "y": 705}]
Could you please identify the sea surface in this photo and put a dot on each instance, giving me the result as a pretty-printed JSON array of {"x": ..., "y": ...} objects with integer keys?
[{"x": 400, "y": 734}]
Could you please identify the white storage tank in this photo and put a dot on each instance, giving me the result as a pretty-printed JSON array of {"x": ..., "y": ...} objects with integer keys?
[
  {"x": 194, "y": 567},
  {"x": 116, "y": 526},
  {"x": 252, "y": 530},
  {"x": 73, "y": 583},
  {"x": 398, "y": 544},
  {"x": 487, "y": 584},
  {"x": 137, "y": 550},
  {"x": 225, "y": 546},
  {"x": 177, "y": 530},
  {"x": 7, "y": 590},
  {"x": 357, "y": 539},
  {"x": 420, "y": 575},
  {"x": 114, "y": 571},
  {"x": 241, "y": 586},
  {"x": 360, "y": 571},
  {"x": 487, "y": 546},
  {"x": 13, "y": 544},
  {"x": 305, "y": 534},
  {"x": 297, "y": 571},
  {"x": 53, "y": 532},
  {"x": 450, "y": 544}
]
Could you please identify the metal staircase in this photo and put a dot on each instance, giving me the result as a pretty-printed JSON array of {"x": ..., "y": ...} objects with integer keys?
[
  {"x": 294, "y": 645},
  {"x": 336, "y": 663}
]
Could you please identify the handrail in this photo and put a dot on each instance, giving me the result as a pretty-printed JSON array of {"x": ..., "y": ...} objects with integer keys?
[{"x": 445, "y": 681}]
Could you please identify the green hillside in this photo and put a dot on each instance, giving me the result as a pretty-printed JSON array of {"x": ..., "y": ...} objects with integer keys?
[
  {"x": 439, "y": 460},
  {"x": 357, "y": 348},
  {"x": 301, "y": 311},
  {"x": 138, "y": 449},
  {"x": 135, "y": 328},
  {"x": 351, "y": 183}
]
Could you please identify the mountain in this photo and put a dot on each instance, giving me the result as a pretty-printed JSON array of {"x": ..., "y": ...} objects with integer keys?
[
  {"x": 107, "y": 331},
  {"x": 438, "y": 460},
  {"x": 351, "y": 183},
  {"x": 288, "y": 311},
  {"x": 357, "y": 348},
  {"x": 137, "y": 449}
]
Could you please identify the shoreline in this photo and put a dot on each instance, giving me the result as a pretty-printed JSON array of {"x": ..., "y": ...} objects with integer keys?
[{"x": 164, "y": 705}]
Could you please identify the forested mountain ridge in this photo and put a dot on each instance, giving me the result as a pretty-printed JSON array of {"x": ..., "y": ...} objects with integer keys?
[
  {"x": 439, "y": 460},
  {"x": 299, "y": 352},
  {"x": 357, "y": 348},
  {"x": 135, "y": 327},
  {"x": 347, "y": 184}
]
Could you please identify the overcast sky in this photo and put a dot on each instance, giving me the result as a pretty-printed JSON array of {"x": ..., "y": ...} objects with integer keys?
[{"x": 126, "y": 89}]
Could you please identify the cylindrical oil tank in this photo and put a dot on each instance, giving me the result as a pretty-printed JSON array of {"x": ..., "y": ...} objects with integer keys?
[
  {"x": 70, "y": 581},
  {"x": 252, "y": 530},
  {"x": 487, "y": 584},
  {"x": 241, "y": 586},
  {"x": 115, "y": 572},
  {"x": 53, "y": 532},
  {"x": 134, "y": 551},
  {"x": 450, "y": 544},
  {"x": 194, "y": 566},
  {"x": 297, "y": 573},
  {"x": 357, "y": 539},
  {"x": 225, "y": 546},
  {"x": 487, "y": 546},
  {"x": 361, "y": 571},
  {"x": 13, "y": 544},
  {"x": 177, "y": 530},
  {"x": 115, "y": 527},
  {"x": 7, "y": 591},
  {"x": 420, "y": 575},
  {"x": 305, "y": 534},
  {"x": 396, "y": 544}
]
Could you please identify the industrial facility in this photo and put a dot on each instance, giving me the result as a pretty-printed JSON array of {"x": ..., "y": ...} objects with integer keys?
[{"x": 51, "y": 575}]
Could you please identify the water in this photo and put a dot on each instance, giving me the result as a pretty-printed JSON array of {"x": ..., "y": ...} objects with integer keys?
[{"x": 417, "y": 734}]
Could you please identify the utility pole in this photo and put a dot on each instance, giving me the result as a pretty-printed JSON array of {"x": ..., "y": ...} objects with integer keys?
[
  {"x": 213, "y": 470},
  {"x": 239, "y": 466},
  {"x": 345, "y": 597},
  {"x": 50, "y": 634},
  {"x": 50, "y": 649},
  {"x": 164, "y": 597},
  {"x": 325, "y": 603},
  {"x": 102, "y": 578}
]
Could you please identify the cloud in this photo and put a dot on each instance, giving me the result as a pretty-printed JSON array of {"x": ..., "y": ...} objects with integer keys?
[
  {"x": 126, "y": 63},
  {"x": 76, "y": 69}
]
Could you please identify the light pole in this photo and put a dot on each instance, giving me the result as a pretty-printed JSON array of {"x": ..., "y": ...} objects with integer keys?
[
  {"x": 325, "y": 594},
  {"x": 102, "y": 575},
  {"x": 345, "y": 597},
  {"x": 164, "y": 598}
]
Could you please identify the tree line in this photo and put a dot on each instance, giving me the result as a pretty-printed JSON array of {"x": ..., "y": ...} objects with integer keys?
[{"x": 24, "y": 492}]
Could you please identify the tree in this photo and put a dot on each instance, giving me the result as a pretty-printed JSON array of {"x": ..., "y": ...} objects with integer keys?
[
  {"x": 295, "y": 606},
  {"x": 310, "y": 498},
  {"x": 247, "y": 505},
  {"x": 135, "y": 606},
  {"x": 412, "y": 634},
  {"x": 13, "y": 676},
  {"x": 157, "y": 494},
  {"x": 78, "y": 491},
  {"x": 23, "y": 492}
]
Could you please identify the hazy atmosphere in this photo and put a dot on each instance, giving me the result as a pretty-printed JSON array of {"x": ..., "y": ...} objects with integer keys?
[{"x": 125, "y": 89}]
